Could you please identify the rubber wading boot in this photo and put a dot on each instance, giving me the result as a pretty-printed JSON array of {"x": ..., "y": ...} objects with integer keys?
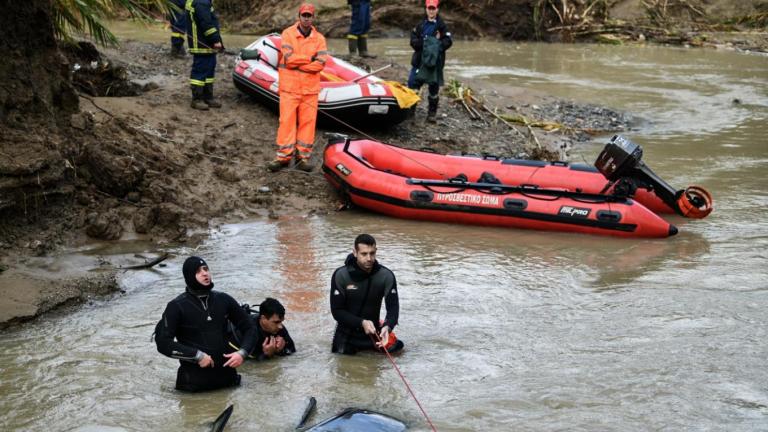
[
  {"x": 352, "y": 47},
  {"x": 208, "y": 97},
  {"x": 197, "y": 98},
  {"x": 178, "y": 51},
  {"x": 276, "y": 165},
  {"x": 304, "y": 165},
  {"x": 432, "y": 110},
  {"x": 362, "y": 45}
]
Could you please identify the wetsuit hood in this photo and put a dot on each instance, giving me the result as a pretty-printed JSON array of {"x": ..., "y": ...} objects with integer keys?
[
  {"x": 356, "y": 272},
  {"x": 189, "y": 269}
]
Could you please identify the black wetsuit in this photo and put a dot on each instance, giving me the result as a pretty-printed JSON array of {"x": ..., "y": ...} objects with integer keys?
[
  {"x": 357, "y": 296},
  {"x": 261, "y": 336},
  {"x": 192, "y": 325}
]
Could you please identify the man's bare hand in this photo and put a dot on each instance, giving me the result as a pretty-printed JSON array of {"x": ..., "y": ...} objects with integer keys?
[
  {"x": 235, "y": 360},
  {"x": 368, "y": 327},
  {"x": 205, "y": 362},
  {"x": 269, "y": 347},
  {"x": 383, "y": 337}
]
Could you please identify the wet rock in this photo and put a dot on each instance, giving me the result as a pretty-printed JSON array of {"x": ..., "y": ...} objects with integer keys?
[
  {"x": 226, "y": 173},
  {"x": 263, "y": 200},
  {"x": 209, "y": 143},
  {"x": 169, "y": 215},
  {"x": 78, "y": 121},
  {"x": 264, "y": 189},
  {"x": 80, "y": 220},
  {"x": 83, "y": 198},
  {"x": 113, "y": 174},
  {"x": 105, "y": 226},
  {"x": 144, "y": 219}
]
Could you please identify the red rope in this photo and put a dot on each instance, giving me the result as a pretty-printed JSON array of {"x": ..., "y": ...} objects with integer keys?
[{"x": 405, "y": 381}]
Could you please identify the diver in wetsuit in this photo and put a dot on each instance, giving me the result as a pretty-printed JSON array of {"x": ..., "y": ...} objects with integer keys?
[
  {"x": 193, "y": 329},
  {"x": 271, "y": 336},
  {"x": 357, "y": 291}
]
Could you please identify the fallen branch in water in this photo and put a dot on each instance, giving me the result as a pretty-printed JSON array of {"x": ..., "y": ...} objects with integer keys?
[{"x": 148, "y": 264}]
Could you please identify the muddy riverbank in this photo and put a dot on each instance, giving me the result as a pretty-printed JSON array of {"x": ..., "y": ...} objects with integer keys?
[{"x": 144, "y": 164}]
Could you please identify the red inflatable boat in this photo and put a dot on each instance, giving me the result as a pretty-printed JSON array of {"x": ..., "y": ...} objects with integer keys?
[
  {"x": 348, "y": 94},
  {"x": 500, "y": 192}
]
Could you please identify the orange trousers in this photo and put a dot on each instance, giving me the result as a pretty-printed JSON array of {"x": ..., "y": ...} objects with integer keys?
[{"x": 296, "y": 133}]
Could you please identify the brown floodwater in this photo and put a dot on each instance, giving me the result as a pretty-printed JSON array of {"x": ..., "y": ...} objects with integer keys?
[{"x": 504, "y": 329}]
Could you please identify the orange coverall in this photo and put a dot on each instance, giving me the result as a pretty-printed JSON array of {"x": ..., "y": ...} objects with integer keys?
[{"x": 302, "y": 60}]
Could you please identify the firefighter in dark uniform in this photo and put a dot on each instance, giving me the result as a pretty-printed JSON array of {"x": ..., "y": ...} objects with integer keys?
[
  {"x": 203, "y": 41},
  {"x": 357, "y": 291},
  {"x": 359, "y": 27},
  {"x": 177, "y": 18},
  {"x": 193, "y": 330}
]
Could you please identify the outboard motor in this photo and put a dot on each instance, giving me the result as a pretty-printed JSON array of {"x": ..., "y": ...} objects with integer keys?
[{"x": 621, "y": 161}]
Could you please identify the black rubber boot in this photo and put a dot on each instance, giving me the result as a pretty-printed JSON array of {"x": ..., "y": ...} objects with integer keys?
[
  {"x": 197, "y": 98},
  {"x": 178, "y": 51},
  {"x": 208, "y": 97},
  {"x": 362, "y": 45},
  {"x": 352, "y": 47},
  {"x": 432, "y": 111}
]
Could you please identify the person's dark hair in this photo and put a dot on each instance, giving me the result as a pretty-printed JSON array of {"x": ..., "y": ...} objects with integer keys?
[
  {"x": 365, "y": 239},
  {"x": 269, "y": 307}
]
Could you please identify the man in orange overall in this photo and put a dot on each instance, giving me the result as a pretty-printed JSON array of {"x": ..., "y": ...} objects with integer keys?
[{"x": 303, "y": 56}]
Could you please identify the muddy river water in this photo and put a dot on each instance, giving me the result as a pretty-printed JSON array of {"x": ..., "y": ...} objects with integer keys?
[{"x": 504, "y": 329}]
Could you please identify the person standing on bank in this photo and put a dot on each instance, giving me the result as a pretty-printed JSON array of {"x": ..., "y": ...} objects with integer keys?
[
  {"x": 177, "y": 19},
  {"x": 357, "y": 290},
  {"x": 430, "y": 39},
  {"x": 271, "y": 336},
  {"x": 193, "y": 330},
  {"x": 203, "y": 41},
  {"x": 302, "y": 57},
  {"x": 359, "y": 27}
]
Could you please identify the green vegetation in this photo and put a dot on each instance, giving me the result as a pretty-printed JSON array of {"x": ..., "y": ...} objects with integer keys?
[{"x": 72, "y": 17}]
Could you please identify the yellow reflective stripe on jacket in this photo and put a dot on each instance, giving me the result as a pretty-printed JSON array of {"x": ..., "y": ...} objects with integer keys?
[
  {"x": 195, "y": 47},
  {"x": 210, "y": 31},
  {"x": 178, "y": 35},
  {"x": 198, "y": 83},
  {"x": 191, "y": 9}
]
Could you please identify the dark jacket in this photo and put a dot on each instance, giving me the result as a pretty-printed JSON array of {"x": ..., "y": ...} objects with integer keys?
[
  {"x": 261, "y": 336},
  {"x": 177, "y": 16},
  {"x": 191, "y": 324},
  {"x": 417, "y": 41},
  {"x": 357, "y": 296},
  {"x": 203, "y": 30}
]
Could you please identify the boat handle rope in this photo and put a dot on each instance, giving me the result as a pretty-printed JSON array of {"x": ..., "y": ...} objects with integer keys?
[{"x": 525, "y": 190}]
